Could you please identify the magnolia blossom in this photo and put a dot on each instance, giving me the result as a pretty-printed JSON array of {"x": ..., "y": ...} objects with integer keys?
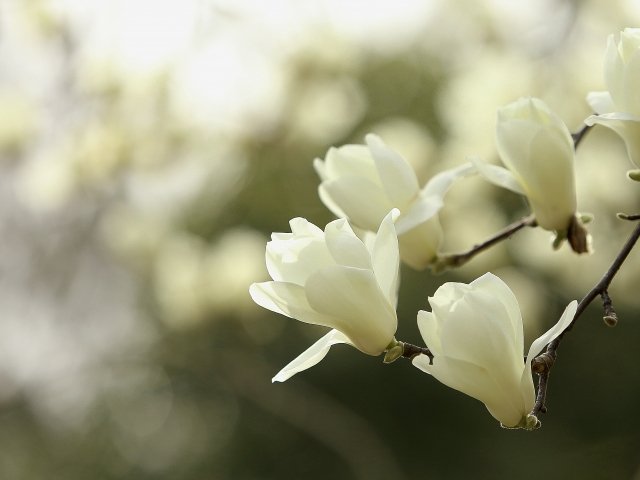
[
  {"x": 363, "y": 182},
  {"x": 619, "y": 107},
  {"x": 475, "y": 334},
  {"x": 333, "y": 279},
  {"x": 537, "y": 148}
]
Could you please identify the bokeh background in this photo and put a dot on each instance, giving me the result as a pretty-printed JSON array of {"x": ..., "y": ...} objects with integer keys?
[{"x": 149, "y": 147}]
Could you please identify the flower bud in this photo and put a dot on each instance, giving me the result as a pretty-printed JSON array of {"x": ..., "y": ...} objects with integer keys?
[{"x": 537, "y": 148}]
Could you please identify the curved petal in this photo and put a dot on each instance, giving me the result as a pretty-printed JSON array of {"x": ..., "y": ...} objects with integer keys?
[
  {"x": 502, "y": 401},
  {"x": 600, "y": 102},
  {"x": 441, "y": 182},
  {"x": 345, "y": 248},
  {"x": 396, "y": 175},
  {"x": 420, "y": 211},
  {"x": 363, "y": 202},
  {"x": 295, "y": 259},
  {"x": 419, "y": 246},
  {"x": 430, "y": 332},
  {"x": 543, "y": 340},
  {"x": 311, "y": 356},
  {"x": 286, "y": 299},
  {"x": 356, "y": 305},
  {"x": 624, "y": 124},
  {"x": 498, "y": 176},
  {"x": 350, "y": 160},
  {"x": 386, "y": 259},
  {"x": 495, "y": 286}
]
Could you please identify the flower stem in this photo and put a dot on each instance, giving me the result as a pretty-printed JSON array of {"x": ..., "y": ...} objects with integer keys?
[
  {"x": 600, "y": 289},
  {"x": 453, "y": 260}
]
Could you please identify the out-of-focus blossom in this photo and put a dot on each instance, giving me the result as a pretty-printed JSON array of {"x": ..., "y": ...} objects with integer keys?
[
  {"x": 363, "y": 183},
  {"x": 475, "y": 333},
  {"x": 619, "y": 107},
  {"x": 333, "y": 279}
]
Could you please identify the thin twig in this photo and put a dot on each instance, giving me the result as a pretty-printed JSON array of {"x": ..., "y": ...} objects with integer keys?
[
  {"x": 599, "y": 289},
  {"x": 580, "y": 134},
  {"x": 453, "y": 260},
  {"x": 409, "y": 351}
]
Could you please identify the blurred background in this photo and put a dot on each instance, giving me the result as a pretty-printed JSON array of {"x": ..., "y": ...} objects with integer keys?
[{"x": 149, "y": 147}]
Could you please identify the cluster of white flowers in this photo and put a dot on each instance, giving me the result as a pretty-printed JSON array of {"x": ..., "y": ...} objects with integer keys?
[{"x": 347, "y": 276}]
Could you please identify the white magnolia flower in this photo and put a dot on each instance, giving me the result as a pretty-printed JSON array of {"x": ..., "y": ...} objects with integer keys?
[
  {"x": 333, "y": 279},
  {"x": 363, "y": 182},
  {"x": 536, "y": 147},
  {"x": 475, "y": 334},
  {"x": 619, "y": 107}
]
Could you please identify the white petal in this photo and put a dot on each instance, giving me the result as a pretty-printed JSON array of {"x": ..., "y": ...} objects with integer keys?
[
  {"x": 345, "y": 248},
  {"x": 293, "y": 260},
  {"x": 351, "y": 160},
  {"x": 421, "y": 211},
  {"x": 624, "y": 124},
  {"x": 600, "y": 102},
  {"x": 362, "y": 201},
  {"x": 440, "y": 183},
  {"x": 286, "y": 299},
  {"x": 419, "y": 246},
  {"x": 396, "y": 175},
  {"x": 498, "y": 175},
  {"x": 356, "y": 304},
  {"x": 386, "y": 259},
  {"x": 547, "y": 337},
  {"x": 311, "y": 356},
  {"x": 430, "y": 331},
  {"x": 493, "y": 285}
]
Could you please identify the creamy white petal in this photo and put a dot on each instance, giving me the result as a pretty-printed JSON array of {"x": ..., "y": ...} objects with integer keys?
[
  {"x": 287, "y": 299},
  {"x": 419, "y": 246},
  {"x": 356, "y": 304},
  {"x": 386, "y": 259},
  {"x": 600, "y": 102},
  {"x": 627, "y": 126},
  {"x": 295, "y": 259},
  {"x": 493, "y": 285},
  {"x": 351, "y": 160},
  {"x": 422, "y": 210},
  {"x": 430, "y": 332},
  {"x": 311, "y": 356},
  {"x": 441, "y": 182},
  {"x": 396, "y": 175},
  {"x": 345, "y": 248},
  {"x": 498, "y": 176},
  {"x": 362, "y": 201},
  {"x": 543, "y": 340}
]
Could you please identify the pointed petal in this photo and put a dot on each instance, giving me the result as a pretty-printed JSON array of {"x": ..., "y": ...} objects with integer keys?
[
  {"x": 311, "y": 356},
  {"x": 565, "y": 320},
  {"x": 624, "y": 124},
  {"x": 421, "y": 211},
  {"x": 345, "y": 248},
  {"x": 396, "y": 175},
  {"x": 430, "y": 331},
  {"x": 498, "y": 176},
  {"x": 440, "y": 183},
  {"x": 363, "y": 202},
  {"x": 600, "y": 102},
  {"x": 495, "y": 286},
  {"x": 286, "y": 299},
  {"x": 386, "y": 258}
]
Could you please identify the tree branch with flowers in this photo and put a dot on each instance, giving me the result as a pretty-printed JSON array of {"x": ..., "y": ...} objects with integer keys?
[{"x": 346, "y": 276}]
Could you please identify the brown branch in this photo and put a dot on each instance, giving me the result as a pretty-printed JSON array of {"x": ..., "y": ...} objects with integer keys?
[
  {"x": 600, "y": 289},
  {"x": 453, "y": 260},
  {"x": 580, "y": 134}
]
